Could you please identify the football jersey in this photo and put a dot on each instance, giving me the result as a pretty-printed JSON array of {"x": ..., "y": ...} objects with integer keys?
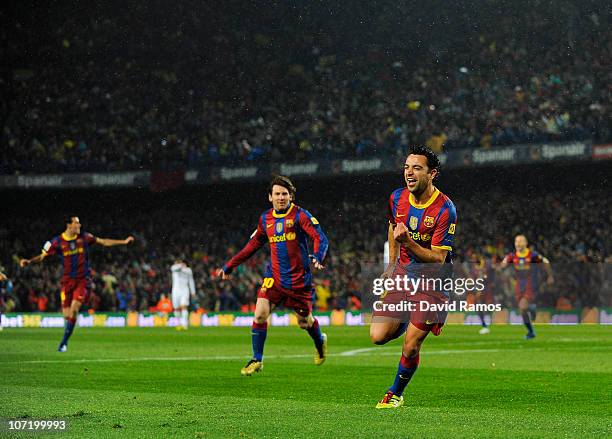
[
  {"x": 287, "y": 234},
  {"x": 431, "y": 224},
  {"x": 525, "y": 273},
  {"x": 74, "y": 254}
]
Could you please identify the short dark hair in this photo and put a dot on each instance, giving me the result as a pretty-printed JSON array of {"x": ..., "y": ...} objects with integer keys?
[
  {"x": 68, "y": 219},
  {"x": 433, "y": 162},
  {"x": 285, "y": 182}
]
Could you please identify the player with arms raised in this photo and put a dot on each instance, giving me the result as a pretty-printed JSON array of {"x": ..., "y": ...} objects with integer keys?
[
  {"x": 421, "y": 231},
  {"x": 287, "y": 279},
  {"x": 73, "y": 248},
  {"x": 526, "y": 276}
]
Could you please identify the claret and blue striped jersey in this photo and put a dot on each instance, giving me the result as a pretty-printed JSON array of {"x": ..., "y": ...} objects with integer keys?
[
  {"x": 74, "y": 253},
  {"x": 526, "y": 273},
  {"x": 287, "y": 233},
  {"x": 431, "y": 224}
]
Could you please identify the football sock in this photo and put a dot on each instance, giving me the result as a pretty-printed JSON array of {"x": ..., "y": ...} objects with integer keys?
[
  {"x": 527, "y": 321},
  {"x": 258, "y": 333},
  {"x": 406, "y": 368},
  {"x": 481, "y": 314},
  {"x": 315, "y": 333},
  {"x": 185, "y": 318},
  {"x": 68, "y": 329}
]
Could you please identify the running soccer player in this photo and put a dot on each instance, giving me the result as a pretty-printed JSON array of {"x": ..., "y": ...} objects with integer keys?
[
  {"x": 76, "y": 284},
  {"x": 526, "y": 277},
  {"x": 287, "y": 279},
  {"x": 421, "y": 231},
  {"x": 183, "y": 286}
]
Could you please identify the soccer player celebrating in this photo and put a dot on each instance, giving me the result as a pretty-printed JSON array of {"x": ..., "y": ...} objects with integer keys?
[
  {"x": 422, "y": 223},
  {"x": 287, "y": 279},
  {"x": 76, "y": 284},
  {"x": 183, "y": 286},
  {"x": 526, "y": 279}
]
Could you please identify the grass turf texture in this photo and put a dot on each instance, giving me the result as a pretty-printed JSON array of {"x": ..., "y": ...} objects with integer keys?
[{"x": 157, "y": 382}]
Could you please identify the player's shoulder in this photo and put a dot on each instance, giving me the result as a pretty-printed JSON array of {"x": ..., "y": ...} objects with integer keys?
[
  {"x": 304, "y": 213},
  {"x": 444, "y": 199},
  {"x": 397, "y": 193},
  {"x": 263, "y": 215}
]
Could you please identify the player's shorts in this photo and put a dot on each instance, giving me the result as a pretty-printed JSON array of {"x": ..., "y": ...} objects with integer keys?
[
  {"x": 428, "y": 312},
  {"x": 298, "y": 300},
  {"x": 427, "y": 309},
  {"x": 75, "y": 289},
  {"x": 180, "y": 300}
]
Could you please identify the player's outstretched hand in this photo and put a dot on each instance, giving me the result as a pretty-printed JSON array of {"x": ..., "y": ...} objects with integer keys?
[
  {"x": 400, "y": 233},
  {"x": 222, "y": 274},
  {"x": 2, "y": 277},
  {"x": 128, "y": 240},
  {"x": 24, "y": 263},
  {"x": 316, "y": 264}
]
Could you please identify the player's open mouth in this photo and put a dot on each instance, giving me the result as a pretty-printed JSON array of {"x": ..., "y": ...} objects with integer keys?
[{"x": 411, "y": 181}]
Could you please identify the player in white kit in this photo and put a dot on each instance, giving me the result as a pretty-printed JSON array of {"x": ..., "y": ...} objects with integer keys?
[{"x": 183, "y": 286}]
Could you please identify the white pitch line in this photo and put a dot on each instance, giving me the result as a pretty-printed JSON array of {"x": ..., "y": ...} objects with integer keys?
[{"x": 355, "y": 352}]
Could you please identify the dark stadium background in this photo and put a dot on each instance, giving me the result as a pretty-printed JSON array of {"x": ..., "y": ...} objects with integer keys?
[{"x": 122, "y": 87}]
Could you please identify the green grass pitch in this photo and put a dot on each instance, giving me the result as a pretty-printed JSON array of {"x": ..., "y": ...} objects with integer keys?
[{"x": 160, "y": 383}]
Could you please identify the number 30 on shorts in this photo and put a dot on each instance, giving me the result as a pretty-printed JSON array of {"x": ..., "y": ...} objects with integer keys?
[{"x": 267, "y": 282}]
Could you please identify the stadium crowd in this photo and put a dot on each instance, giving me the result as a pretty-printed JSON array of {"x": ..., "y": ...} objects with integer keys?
[
  {"x": 82, "y": 101},
  {"x": 136, "y": 277}
]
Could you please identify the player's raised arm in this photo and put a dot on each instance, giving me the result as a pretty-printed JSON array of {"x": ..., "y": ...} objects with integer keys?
[
  {"x": 106, "y": 242},
  {"x": 313, "y": 229},
  {"x": 50, "y": 248},
  {"x": 3, "y": 277},
  {"x": 257, "y": 240},
  {"x": 25, "y": 262}
]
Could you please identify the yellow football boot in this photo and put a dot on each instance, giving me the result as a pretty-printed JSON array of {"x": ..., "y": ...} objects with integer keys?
[
  {"x": 251, "y": 367},
  {"x": 318, "y": 360},
  {"x": 390, "y": 401}
]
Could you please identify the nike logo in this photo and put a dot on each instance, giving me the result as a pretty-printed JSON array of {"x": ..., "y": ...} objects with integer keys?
[
  {"x": 400, "y": 215},
  {"x": 269, "y": 225}
]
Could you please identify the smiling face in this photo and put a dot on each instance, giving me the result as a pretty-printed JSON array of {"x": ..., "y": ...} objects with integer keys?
[
  {"x": 279, "y": 197},
  {"x": 417, "y": 174},
  {"x": 520, "y": 243},
  {"x": 74, "y": 228}
]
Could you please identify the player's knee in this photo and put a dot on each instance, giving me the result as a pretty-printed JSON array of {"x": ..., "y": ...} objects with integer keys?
[
  {"x": 379, "y": 337},
  {"x": 410, "y": 348},
  {"x": 260, "y": 318}
]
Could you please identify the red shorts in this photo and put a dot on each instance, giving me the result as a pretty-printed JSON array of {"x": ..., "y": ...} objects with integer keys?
[
  {"x": 427, "y": 311},
  {"x": 300, "y": 301},
  {"x": 75, "y": 289}
]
